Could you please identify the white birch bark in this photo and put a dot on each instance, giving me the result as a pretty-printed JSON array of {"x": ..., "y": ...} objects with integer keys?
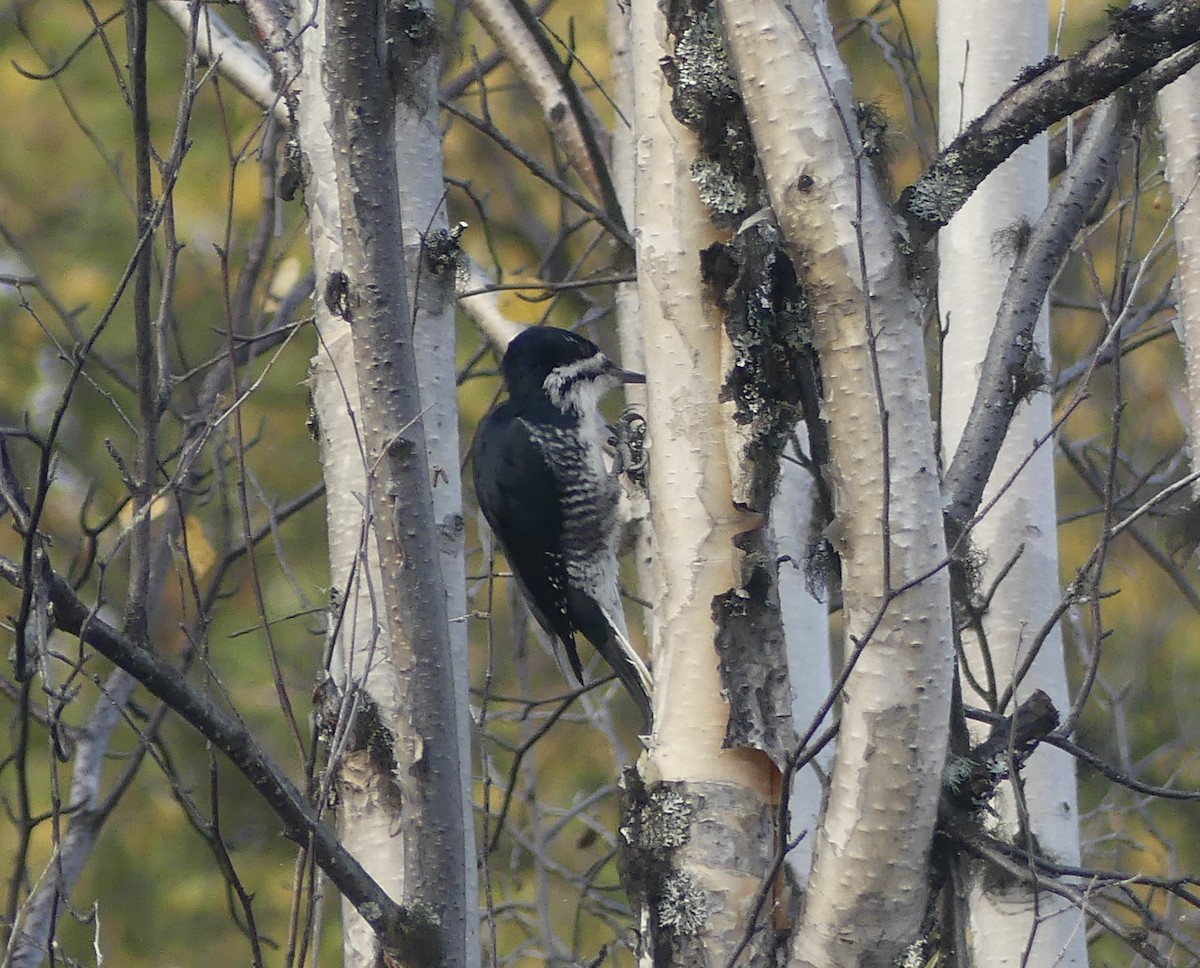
[
  {"x": 626, "y": 303},
  {"x": 867, "y": 893},
  {"x": 1179, "y": 113},
  {"x": 362, "y": 650},
  {"x": 806, "y": 629},
  {"x": 974, "y": 265},
  {"x": 418, "y": 142},
  {"x": 692, "y": 510},
  {"x": 368, "y": 814},
  {"x": 237, "y": 59},
  {"x": 30, "y": 943},
  {"x": 509, "y": 33},
  {"x": 694, "y": 524}
]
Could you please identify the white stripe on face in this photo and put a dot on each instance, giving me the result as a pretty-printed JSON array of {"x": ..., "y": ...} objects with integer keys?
[{"x": 562, "y": 379}]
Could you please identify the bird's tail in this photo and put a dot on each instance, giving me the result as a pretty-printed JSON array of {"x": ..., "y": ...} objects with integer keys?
[
  {"x": 608, "y": 635},
  {"x": 632, "y": 672}
]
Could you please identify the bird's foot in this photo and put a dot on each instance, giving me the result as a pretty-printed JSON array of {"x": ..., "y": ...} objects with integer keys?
[{"x": 628, "y": 443}]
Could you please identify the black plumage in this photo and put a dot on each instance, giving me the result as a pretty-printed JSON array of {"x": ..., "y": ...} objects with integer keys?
[{"x": 541, "y": 482}]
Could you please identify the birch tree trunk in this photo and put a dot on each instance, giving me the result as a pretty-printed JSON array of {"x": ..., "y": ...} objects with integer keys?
[
  {"x": 630, "y": 330},
  {"x": 1009, "y": 924},
  {"x": 806, "y": 629},
  {"x": 1179, "y": 113},
  {"x": 718, "y": 802},
  {"x": 373, "y": 658},
  {"x": 868, "y": 890}
]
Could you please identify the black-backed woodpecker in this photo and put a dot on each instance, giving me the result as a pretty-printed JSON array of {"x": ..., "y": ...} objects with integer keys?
[{"x": 544, "y": 487}]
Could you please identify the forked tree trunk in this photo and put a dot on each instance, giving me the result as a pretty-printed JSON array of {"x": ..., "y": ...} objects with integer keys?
[{"x": 869, "y": 884}]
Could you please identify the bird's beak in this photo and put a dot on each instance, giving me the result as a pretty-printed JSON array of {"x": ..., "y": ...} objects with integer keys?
[{"x": 628, "y": 376}]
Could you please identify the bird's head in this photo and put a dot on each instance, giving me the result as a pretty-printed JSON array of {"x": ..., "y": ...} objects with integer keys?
[{"x": 567, "y": 368}]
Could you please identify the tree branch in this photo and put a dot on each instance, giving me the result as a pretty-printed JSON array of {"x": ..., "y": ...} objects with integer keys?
[
  {"x": 1006, "y": 379},
  {"x": 1138, "y": 40},
  {"x": 409, "y": 932},
  {"x": 145, "y": 460},
  {"x": 236, "y": 59},
  {"x": 515, "y": 29}
]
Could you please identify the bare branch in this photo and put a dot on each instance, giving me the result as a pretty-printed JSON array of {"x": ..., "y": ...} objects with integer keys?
[
  {"x": 1136, "y": 42},
  {"x": 514, "y": 28},
  {"x": 409, "y": 931},
  {"x": 1005, "y": 379},
  {"x": 236, "y": 59}
]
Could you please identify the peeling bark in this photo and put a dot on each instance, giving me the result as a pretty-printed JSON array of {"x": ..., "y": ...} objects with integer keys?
[
  {"x": 868, "y": 891},
  {"x": 695, "y": 909}
]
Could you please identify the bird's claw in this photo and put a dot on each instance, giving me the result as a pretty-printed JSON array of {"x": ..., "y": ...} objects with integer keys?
[{"x": 627, "y": 441}]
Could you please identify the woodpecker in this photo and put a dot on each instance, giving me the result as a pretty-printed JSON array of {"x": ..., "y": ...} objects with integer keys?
[{"x": 542, "y": 484}]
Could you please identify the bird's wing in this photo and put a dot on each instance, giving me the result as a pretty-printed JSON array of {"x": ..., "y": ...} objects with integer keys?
[{"x": 518, "y": 496}]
